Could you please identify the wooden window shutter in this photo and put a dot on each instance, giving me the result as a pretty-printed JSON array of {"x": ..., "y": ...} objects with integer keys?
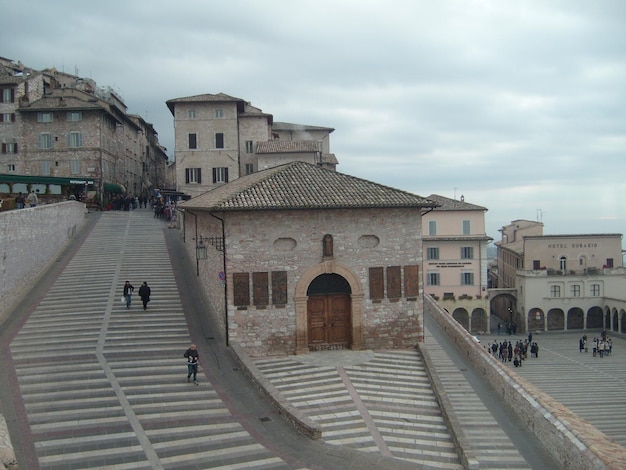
[
  {"x": 241, "y": 287},
  {"x": 187, "y": 175},
  {"x": 411, "y": 281},
  {"x": 279, "y": 287},
  {"x": 4, "y": 148},
  {"x": 199, "y": 175},
  {"x": 377, "y": 283},
  {"x": 260, "y": 292},
  {"x": 394, "y": 282}
]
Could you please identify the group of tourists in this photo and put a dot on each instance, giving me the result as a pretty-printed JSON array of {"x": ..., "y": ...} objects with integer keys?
[
  {"x": 511, "y": 327},
  {"x": 601, "y": 346},
  {"x": 507, "y": 351}
]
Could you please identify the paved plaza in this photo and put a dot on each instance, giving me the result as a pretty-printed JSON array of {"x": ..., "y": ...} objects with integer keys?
[{"x": 87, "y": 383}]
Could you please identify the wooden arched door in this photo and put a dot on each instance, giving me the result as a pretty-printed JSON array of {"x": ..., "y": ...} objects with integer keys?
[{"x": 329, "y": 312}]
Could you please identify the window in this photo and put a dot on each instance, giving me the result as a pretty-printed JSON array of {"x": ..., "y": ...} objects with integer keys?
[
  {"x": 193, "y": 175},
  {"x": 466, "y": 227},
  {"x": 433, "y": 279},
  {"x": 75, "y": 167},
  {"x": 44, "y": 141},
  {"x": 11, "y": 168},
  {"x": 191, "y": 113},
  {"x": 220, "y": 175},
  {"x": 74, "y": 140},
  {"x": 467, "y": 252},
  {"x": 249, "y": 146},
  {"x": 9, "y": 147},
  {"x": 7, "y": 117},
  {"x": 432, "y": 227},
  {"x": 575, "y": 290},
  {"x": 45, "y": 167},
  {"x": 595, "y": 290},
  {"x": 467, "y": 279},
  {"x": 249, "y": 168},
  {"x": 74, "y": 116},
  {"x": 44, "y": 117},
  {"x": 219, "y": 113},
  {"x": 193, "y": 141},
  {"x": 432, "y": 253},
  {"x": 8, "y": 95},
  {"x": 555, "y": 291},
  {"x": 536, "y": 265},
  {"x": 219, "y": 140},
  {"x": 609, "y": 262}
]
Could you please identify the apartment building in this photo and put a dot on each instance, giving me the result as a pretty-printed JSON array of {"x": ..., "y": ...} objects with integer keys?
[
  {"x": 219, "y": 138},
  {"x": 63, "y": 135},
  {"x": 455, "y": 260}
]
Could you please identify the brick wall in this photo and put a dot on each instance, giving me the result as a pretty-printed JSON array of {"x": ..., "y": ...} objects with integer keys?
[{"x": 29, "y": 239}]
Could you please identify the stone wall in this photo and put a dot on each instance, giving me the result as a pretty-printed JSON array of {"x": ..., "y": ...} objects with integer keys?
[
  {"x": 573, "y": 442},
  {"x": 29, "y": 239}
]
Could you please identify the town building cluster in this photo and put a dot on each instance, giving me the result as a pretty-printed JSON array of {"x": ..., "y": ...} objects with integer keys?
[{"x": 294, "y": 255}]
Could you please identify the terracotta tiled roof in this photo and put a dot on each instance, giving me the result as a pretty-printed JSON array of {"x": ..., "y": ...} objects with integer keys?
[
  {"x": 299, "y": 185},
  {"x": 447, "y": 204},
  {"x": 287, "y": 146}
]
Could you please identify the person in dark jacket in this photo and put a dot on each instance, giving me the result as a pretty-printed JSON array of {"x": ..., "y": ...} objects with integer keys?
[
  {"x": 144, "y": 294},
  {"x": 128, "y": 291},
  {"x": 192, "y": 363}
]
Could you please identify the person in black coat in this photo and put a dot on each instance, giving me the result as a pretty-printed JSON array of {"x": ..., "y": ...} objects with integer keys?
[
  {"x": 144, "y": 294},
  {"x": 192, "y": 363},
  {"x": 128, "y": 293}
]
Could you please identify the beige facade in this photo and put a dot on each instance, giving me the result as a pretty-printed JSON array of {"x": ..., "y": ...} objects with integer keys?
[
  {"x": 219, "y": 138},
  {"x": 560, "y": 282},
  {"x": 291, "y": 269},
  {"x": 65, "y": 127},
  {"x": 455, "y": 260}
]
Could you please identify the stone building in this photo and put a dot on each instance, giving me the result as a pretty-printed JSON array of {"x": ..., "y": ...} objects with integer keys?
[
  {"x": 297, "y": 258},
  {"x": 219, "y": 138},
  {"x": 63, "y": 135},
  {"x": 455, "y": 260}
]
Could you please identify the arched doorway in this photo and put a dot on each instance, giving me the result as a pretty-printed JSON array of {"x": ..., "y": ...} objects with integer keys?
[
  {"x": 329, "y": 314},
  {"x": 594, "y": 318},
  {"x": 301, "y": 300},
  {"x": 461, "y": 316}
]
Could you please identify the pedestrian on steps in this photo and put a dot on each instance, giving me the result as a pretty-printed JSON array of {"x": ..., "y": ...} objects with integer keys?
[
  {"x": 144, "y": 294},
  {"x": 128, "y": 291},
  {"x": 192, "y": 363}
]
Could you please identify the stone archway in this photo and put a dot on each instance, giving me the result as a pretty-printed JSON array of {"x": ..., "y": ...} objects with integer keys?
[{"x": 301, "y": 300}]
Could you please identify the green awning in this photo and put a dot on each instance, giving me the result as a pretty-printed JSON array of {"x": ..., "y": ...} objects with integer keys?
[
  {"x": 4, "y": 178},
  {"x": 113, "y": 188}
]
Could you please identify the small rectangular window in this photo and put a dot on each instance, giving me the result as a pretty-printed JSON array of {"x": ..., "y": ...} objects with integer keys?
[
  {"x": 74, "y": 140},
  {"x": 575, "y": 289},
  {"x": 193, "y": 176},
  {"x": 249, "y": 168},
  {"x": 595, "y": 290},
  {"x": 7, "y": 117},
  {"x": 466, "y": 227},
  {"x": 9, "y": 148},
  {"x": 433, "y": 279},
  {"x": 432, "y": 227},
  {"x": 75, "y": 167},
  {"x": 44, "y": 117},
  {"x": 74, "y": 116},
  {"x": 193, "y": 141},
  {"x": 536, "y": 265},
  {"x": 432, "y": 253},
  {"x": 555, "y": 291},
  {"x": 219, "y": 113},
  {"x": 467, "y": 252},
  {"x": 609, "y": 262},
  {"x": 191, "y": 113},
  {"x": 249, "y": 146},
  {"x": 8, "y": 95},
  {"x": 467, "y": 279},
  {"x": 45, "y": 167},
  {"x": 11, "y": 168},
  {"x": 220, "y": 175},
  {"x": 219, "y": 140},
  {"x": 44, "y": 141}
]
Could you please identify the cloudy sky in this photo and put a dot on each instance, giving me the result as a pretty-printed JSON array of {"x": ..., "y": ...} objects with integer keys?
[{"x": 519, "y": 106}]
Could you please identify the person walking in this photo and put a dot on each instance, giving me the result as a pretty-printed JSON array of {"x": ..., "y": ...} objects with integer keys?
[
  {"x": 20, "y": 201},
  {"x": 144, "y": 294},
  {"x": 128, "y": 291},
  {"x": 32, "y": 199},
  {"x": 192, "y": 363}
]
